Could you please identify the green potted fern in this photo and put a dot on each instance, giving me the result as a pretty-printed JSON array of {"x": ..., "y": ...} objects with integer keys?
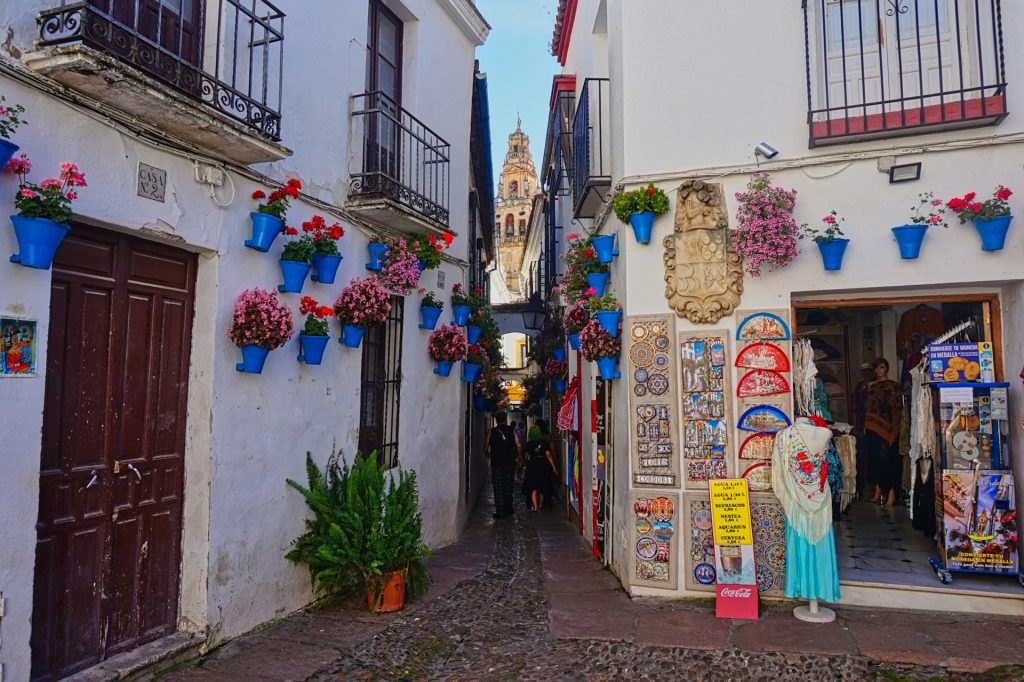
[{"x": 364, "y": 534}]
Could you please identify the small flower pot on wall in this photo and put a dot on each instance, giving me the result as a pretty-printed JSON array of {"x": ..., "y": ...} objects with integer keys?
[
  {"x": 377, "y": 253},
  {"x": 311, "y": 348},
  {"x": 608, "y": 368},
  {"x": 604, "y": 245},
  {"x": 558, "y": 354},
  {"x": 325, "y": 268},
  {"x": 909, "y": 238},
  {"x": 460, "y": 314},
  {"x": 444, "y": 368},
  {"x": 253, "y": 358},
  {"x": 832, "y": 253},
  {"x": 643, "y": 225},
  {"x": 294, "y": 273},
  {"x": 351, "y": 335},
  {"x": 470, "y": 371},
  {"x": 609, "y": 320},
  {"x": 574, "y": 340},
  {"x": 473, "y": 334},
  {"x": 7, "y": 150},
  {"x": 429, "y": 317},
  {"x": 598, "y": 281},
  {"x": 993, "y": 232},
  {"x": 265, "y": 229},
  {"x": 38, "y": 239}
]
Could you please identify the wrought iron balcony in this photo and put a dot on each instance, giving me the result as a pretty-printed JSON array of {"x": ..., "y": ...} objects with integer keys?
[
  {"x": 881, "y": 68},
  {"x": 404, "y": 163},
  {"x": 591, "y": 166}
]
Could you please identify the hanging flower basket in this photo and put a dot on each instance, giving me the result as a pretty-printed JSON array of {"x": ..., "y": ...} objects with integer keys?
[
  {"x": 38, "y": 239},
  {"x": 446, "y": 346},
  {"x": 558, "y": 354},
  {"x": 377, "y": 253},
  {"x": 991, "y": 217},
  {"x": 643, "y": 225},
  {"x": 609, "y": 320},
  {"x": 260, "y": 323},
  {"x": 929, "y": 211},
  {"x": 313, "y": 339},
  {"x": 608, "y": 368},
  {"x": 559, "y": 385},
  {"x": 10, "y": 119},
  {"x": 7, "y": 150},
  {"x": 429, "y": 316},
  {"x": 362, "y": 304},
  {"x": 604, "y": 245},
  {"x": 832, "y": 253},
  {"x": 325, "y": 268},
  {"x": 44, "y": 211},
  {"x": 640, "y": 207},
  {"x": 268, "y": 219},
  {"x": 460, "y": 314}
]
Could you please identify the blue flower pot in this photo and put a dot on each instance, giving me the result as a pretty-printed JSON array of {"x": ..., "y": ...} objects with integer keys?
[
  {"x": 609, "y": 320},
  {"x": 444, "y": 368},
  {"x": 479, "y": 402},
  {"x": 429, "y": 316},
  {"x": 253, "y": 358},
  {"x": 605, "y": 248},
  {"x": 598, "y": 281},
  {"x": 294, "y": 275},
  {"x": 421, "y": 265},
  {"x": 469, "y": 371},
  {"x": 473, "y": 333},
  {"x": 993, "y": 232},
  {"x": 608, "y": 368},
  {"x": 559, "y": 385},
  {"x": 38, "y": 239},
  {"x": 574, "y": 340},
  {"x": 377, "y": 254},
  {"x": 832, "y": 253},
  {"x": 265, "y": 229},
  {"x": 642, "y": 224},
  {"x": 7, "y": 150},
  {"x": 351, "y": 335},
  {"x": 558, "y": 354},
  {"x": 909, "y": 238},
  {"x": 325, "y": 268},
  {"x": 460, "y": 314},
  {"x": 311, "y": 348}
]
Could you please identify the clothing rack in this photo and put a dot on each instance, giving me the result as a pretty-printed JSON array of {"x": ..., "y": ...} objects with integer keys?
[{"x": 963, "y": 326}]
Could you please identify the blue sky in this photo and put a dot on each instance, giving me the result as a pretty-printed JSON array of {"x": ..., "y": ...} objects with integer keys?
[{"x": 519, "y": 69}]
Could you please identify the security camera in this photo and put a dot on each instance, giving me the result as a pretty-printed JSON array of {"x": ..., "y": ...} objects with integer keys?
[{"x": 766, "y": 150}]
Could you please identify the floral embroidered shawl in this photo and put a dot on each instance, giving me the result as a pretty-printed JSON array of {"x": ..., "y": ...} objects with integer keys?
[{"x": 799, "y": 479}]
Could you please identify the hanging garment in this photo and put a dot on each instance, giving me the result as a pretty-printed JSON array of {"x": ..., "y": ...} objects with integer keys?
[
  {"x": 820, "y": 401},
  {"x": 800, "y": 481},
  {"x": 922, "y": 427},
  {"x": 804, "y": 374},
  {"x": 923, "y": 320},
  {"x": 923, "y": 506},
  {"x": 834, "y": 474},
  {"x": 846, "y": 446},
  {"x": 568, "y": 415},
  {"x": 883, "y": 410}
]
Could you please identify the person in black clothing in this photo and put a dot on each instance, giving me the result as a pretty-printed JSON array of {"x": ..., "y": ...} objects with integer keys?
[
  {"x": 503, "y": 448},
  {"x": 540, "y": 464}
]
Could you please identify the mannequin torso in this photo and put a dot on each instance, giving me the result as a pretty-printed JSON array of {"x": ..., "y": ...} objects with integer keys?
[{"x": 815, "y": 437}]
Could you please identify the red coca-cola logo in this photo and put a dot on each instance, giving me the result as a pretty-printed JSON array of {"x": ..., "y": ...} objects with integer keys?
[{"x": 737, "y": 592}]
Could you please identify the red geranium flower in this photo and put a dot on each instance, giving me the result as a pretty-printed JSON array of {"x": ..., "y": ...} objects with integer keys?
[
  {"x": 650, "y": 190},
  {"x": 294, "y": 183},
  {"x": 290, "y": 230},
  {"x": 259, "y": 194},
  {"x": 447, "y": 237},
  {"x": 1003, "y": 193}
]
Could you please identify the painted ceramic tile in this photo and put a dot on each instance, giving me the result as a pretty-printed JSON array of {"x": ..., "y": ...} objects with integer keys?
[
  {"x": 17, "y": 347},
  {"x": 653, "y": 407},
  {"x": 655, "y": 522}
]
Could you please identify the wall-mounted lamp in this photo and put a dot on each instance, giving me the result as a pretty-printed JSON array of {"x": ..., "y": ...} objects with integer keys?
[
  {"x": 765, "y": 150},
  {"x": 906, "y": 172}
]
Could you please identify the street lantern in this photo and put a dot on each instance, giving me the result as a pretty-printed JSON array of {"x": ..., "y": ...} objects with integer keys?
[{"x": 534, "y": 313}]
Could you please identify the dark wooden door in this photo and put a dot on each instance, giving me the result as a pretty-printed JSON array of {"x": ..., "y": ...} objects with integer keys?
[
  {"x": 112, "y": 472},
  {"x": 384, "y": 78}
]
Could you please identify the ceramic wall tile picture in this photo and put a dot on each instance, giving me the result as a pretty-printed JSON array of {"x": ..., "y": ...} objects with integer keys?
[
  {"x": 705, "y": 405},
  {"x": 654, "y": 410},
  {"x": 698, "y": 550},
  {"x": 655, "y": 527},
  {"x": 17, "y": 347}
]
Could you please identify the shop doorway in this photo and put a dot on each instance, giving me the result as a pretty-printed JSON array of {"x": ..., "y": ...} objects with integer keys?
[
  {"x": 874, "y": 543},
  {"x": 108, "y": 551}
]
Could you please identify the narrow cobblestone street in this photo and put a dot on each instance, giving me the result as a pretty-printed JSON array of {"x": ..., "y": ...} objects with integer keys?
[{"x": 523, "y": 600}]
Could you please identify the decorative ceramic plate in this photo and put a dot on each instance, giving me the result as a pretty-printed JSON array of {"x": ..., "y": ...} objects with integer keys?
[
  {"x": 647, "y": 548},
  {"x": 762, "y": 326},
  {"x": 661, "y": 342},
  {"x": 758, "y": 446},
  {"x": 763, "y": 355},
  {"x": 759, "y": 382},
  {"x": 661, "y": 361},
  {"x": 658, "y": 384},
  {"x": 638, "y": 332},
  {"x": 641, "y": 353},
  {"x": 640, "y": 375},
  {"x": 662, "y": 508},
  {"x": 640, "y": 390},
  {"x": 765, "y": 418}
]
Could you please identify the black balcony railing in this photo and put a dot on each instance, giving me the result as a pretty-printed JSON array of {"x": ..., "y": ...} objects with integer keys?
[
  {"x": 591, "y": 166},
  {"x": 878, "y": 68},
  {"x": 403, "y": 160},
  {"x": 228, "y": 54}
]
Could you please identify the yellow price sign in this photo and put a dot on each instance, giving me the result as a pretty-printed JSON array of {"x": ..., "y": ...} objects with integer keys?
[{"x": 730, "y": 512}]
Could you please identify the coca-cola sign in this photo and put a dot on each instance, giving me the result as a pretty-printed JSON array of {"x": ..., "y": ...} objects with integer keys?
[{"x": 737, "y": 592}]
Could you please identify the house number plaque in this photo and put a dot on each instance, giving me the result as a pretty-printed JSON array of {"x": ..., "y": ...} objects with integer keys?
[{"x": 152, "y": 182}]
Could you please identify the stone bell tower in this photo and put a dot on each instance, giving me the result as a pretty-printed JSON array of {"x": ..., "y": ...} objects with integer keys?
[{"x": 516, "y": 190}]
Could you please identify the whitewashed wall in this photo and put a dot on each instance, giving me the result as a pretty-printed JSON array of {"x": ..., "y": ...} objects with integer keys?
[{"x": 246, "y": 434}]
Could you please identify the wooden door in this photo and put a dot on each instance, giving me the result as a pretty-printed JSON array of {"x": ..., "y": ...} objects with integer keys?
[
  {"x": 384, "y": 77},
  {"x": 112, "y": 471}
]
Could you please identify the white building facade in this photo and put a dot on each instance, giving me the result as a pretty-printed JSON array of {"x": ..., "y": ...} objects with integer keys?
[
  {"x": 164, "y": 511},
  {"x": 669, "y": 92}
]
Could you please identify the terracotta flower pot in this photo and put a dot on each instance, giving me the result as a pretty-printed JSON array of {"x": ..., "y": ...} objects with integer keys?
[{"x": 392, "y": 593}]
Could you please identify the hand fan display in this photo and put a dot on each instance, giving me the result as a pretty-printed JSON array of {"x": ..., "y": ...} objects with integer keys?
[
  {"x": 759, "y": 477},
  {"x": 763, "y": 355},
  {"x": 762, "y": 326},
  {"x": 765, "y": 418},
  {"x": 759, "y": 382},
  {"x": 758, "y": 446}
]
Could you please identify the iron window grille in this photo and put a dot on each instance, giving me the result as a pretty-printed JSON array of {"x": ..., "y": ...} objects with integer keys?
[
  {"x": 591, "y": 166},
  {"x": 381, "y": 386},
  {"x": 879, "y": 68},
  {"x": 227, "y": 54},
  {"x": 403, "y": 160}
]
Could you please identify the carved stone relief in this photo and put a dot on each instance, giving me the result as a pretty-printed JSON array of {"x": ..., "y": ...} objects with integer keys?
[{"x": 703, "y": 276}]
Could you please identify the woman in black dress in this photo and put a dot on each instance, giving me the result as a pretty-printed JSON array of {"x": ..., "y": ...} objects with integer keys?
[{"x": 540, "y": 464}]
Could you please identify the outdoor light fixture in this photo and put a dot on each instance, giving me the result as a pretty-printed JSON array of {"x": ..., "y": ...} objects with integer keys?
[
  {"x": 766, "y": 150},
  {"x": 907, "y": 172},
  {"x": 534, "y": 313}
]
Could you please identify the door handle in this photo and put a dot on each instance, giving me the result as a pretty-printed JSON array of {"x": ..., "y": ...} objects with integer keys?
[
  {"x": 92, "y": 481},
  {"x": 135, "y": 471}
]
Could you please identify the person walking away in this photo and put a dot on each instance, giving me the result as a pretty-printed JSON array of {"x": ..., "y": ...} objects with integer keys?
[
  {"x": 540, "y": 464},
  {"x": 882, "y": 419},
  {"x": 502, "y": 448}
]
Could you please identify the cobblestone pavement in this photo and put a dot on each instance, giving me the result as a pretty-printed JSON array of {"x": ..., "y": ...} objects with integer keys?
[{"x": 522, "y": 600}]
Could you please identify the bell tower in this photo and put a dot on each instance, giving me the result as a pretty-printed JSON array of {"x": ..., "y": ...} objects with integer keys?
[{"x": 514, "y": 204}]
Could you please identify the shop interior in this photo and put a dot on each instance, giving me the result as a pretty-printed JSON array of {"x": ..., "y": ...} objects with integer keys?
[{"x": 876, "y": 543}]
